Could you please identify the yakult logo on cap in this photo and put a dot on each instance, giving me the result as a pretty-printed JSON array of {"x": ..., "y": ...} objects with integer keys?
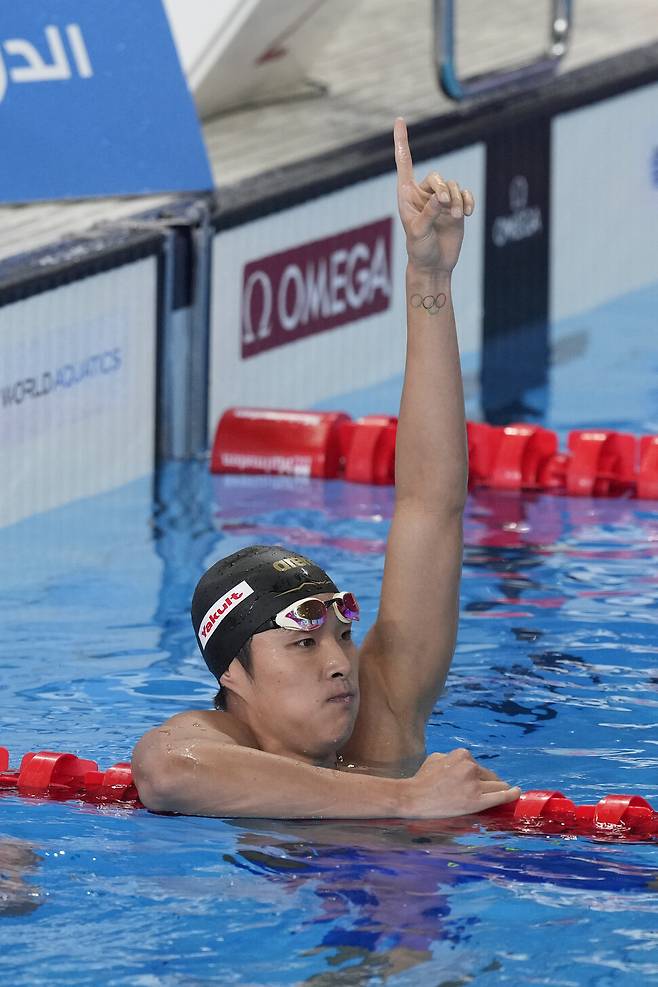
[
  {"x": 220, "y": 609},
  {"x": 317, "y": 286}
]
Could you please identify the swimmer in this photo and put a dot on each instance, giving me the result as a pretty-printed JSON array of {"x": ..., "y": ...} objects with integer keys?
[{"x": 306, "y": 725}]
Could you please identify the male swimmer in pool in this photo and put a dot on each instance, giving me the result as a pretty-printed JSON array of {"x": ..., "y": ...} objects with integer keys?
[{"x": 306, "y": 725}]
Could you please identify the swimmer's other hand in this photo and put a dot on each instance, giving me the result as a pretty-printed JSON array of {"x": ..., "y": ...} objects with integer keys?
[{"x": 454, "y": 785}]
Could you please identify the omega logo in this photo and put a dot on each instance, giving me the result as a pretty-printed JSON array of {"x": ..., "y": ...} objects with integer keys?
[
  {"x": 523, "y": 221},
  {"x": 518, "y": 193},
  {"x": 344, "y": 282},
  {"x": 316, "y": 286}
]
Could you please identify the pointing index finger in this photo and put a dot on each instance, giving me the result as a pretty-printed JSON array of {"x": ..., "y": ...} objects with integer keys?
[{"x": 403, "y": 161}]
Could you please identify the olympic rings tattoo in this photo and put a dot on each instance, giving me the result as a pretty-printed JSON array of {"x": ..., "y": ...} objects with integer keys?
[{"x": 431, "y": 303}]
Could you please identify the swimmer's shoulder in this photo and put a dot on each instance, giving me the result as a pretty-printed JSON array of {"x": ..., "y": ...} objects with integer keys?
[
  {"x": 209, "y": 724},
  {"x": 200, "y": 728}
]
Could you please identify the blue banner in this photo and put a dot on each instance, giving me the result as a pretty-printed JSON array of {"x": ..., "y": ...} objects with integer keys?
[{"x": 93, "y": 102}]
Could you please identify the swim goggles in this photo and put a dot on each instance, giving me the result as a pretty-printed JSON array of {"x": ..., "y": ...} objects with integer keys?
[{"x": 310, "y": 613}]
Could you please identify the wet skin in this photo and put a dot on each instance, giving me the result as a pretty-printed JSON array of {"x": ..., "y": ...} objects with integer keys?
[{"x": 310, "y": 680}]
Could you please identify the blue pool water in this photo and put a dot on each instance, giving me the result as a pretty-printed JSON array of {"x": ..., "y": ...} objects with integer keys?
[{"x": 554, "y": 684}]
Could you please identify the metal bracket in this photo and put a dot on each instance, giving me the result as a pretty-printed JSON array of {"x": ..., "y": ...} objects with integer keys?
[{"x": 490, "y": 82}]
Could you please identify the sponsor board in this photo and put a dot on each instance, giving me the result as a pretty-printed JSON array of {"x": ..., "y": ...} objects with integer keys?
[
  {"x": 316, "y": 287},
  {"x": 77, "y": 385},
  {"x": 220, "y": 609},
  {"x": 61, "y": 379},
  {"x": 604, "y": 201},
  {"x": 77, "y": 389},
  {"x": 309, "y": 303}
]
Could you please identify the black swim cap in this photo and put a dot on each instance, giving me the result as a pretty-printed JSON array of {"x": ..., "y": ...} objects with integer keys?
[{"x": 240, "y": 593}]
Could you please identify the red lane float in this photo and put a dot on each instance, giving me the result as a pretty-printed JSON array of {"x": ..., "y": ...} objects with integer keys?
[
  {"x": 602, "y": 463},
  {"x": 520, "y": 456},
  {"x": 368, "y": 447},
  {"x": 614, "y": 816},
  {"x": 522, "y": 451},
  {"x": 647, "y": 477},
  {"x": 54, "y": 774},
  {"x": 483, "y": 441},
  {"x": 267, "y": 440}
]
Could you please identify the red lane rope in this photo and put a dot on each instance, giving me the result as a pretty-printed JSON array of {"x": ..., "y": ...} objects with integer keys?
[
  {"x": 520, "y": 456},
  {"x": 54, "y": 774},
  {"x": 613, "y": 816},
  {"x": 59, "y": 775}
]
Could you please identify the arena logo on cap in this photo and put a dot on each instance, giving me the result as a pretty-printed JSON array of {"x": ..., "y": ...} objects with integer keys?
[
  {"x": 222, "y": 608},
  {"x": 292, "y": 562},
  {"x": 315, "y": 287}
]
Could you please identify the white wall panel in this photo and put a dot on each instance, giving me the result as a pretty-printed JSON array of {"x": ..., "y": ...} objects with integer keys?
[
  {"x": 353, "y": 356},
  {"x": 604, "y": 208},
  {"x": 77, "y": 389}
]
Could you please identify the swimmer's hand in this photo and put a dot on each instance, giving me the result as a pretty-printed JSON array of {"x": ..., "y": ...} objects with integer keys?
[
  {"x": 454, "y": 785},
  {"x": 432, "y": 212}
]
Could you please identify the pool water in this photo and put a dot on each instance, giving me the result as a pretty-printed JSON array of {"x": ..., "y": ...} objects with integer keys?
[{"x": 554, "y": 684}]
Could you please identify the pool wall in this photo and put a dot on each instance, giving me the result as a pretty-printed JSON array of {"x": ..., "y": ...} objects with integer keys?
[
  {"x": 123, "y": 348},
  {"x": 77, "y": 395},
  {"x": 604, "y": 202}
]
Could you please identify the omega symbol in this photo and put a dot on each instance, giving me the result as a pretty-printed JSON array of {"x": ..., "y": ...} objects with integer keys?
[{"x": 518, "y": 193}]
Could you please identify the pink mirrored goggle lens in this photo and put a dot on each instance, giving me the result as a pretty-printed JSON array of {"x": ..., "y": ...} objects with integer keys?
[{"x": 346, "y": 606}]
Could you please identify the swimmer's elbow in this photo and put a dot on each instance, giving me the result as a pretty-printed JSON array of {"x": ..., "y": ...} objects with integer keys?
[{"x": 156, "y": 773}]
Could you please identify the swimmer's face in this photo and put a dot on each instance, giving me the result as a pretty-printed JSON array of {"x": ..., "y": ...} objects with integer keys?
[{"x": 303, "y": 697}]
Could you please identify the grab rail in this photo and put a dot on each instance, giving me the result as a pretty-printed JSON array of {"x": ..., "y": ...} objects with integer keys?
[{"x": 488, "y": 82}]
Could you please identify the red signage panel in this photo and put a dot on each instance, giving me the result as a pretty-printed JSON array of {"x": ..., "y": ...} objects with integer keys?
[{"x": 316, "y": 287}]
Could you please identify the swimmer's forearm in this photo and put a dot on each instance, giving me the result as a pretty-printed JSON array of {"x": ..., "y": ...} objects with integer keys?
[
  {"x": 233, "y": 781},
  {"x": 205, "y": 778},
  {"x": 432, "y": 451}
]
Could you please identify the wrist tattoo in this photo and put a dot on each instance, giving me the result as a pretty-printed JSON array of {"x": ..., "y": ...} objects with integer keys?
[{"x": 431, "y": 303}]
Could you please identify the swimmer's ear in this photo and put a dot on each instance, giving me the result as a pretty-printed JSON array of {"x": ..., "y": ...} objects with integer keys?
[{"x": 235, "y": 680}]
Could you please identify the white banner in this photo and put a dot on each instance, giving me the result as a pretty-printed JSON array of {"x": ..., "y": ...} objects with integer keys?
[
  {"x": 77, "y": 389},
  {"x": 604, "y": 201},
  {"x": 341, "y": 239}
]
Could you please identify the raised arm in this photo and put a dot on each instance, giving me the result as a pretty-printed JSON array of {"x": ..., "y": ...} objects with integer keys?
[{"x": 408, "y": 652}]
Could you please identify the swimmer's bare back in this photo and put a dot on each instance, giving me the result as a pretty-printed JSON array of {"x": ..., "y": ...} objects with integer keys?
[{"x": 251, "y": 764}]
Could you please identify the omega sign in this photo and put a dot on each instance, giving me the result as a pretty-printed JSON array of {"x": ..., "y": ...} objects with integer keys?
[
  {"x": 523, "y": 221},
  {"x": 315, "y": 287}
]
